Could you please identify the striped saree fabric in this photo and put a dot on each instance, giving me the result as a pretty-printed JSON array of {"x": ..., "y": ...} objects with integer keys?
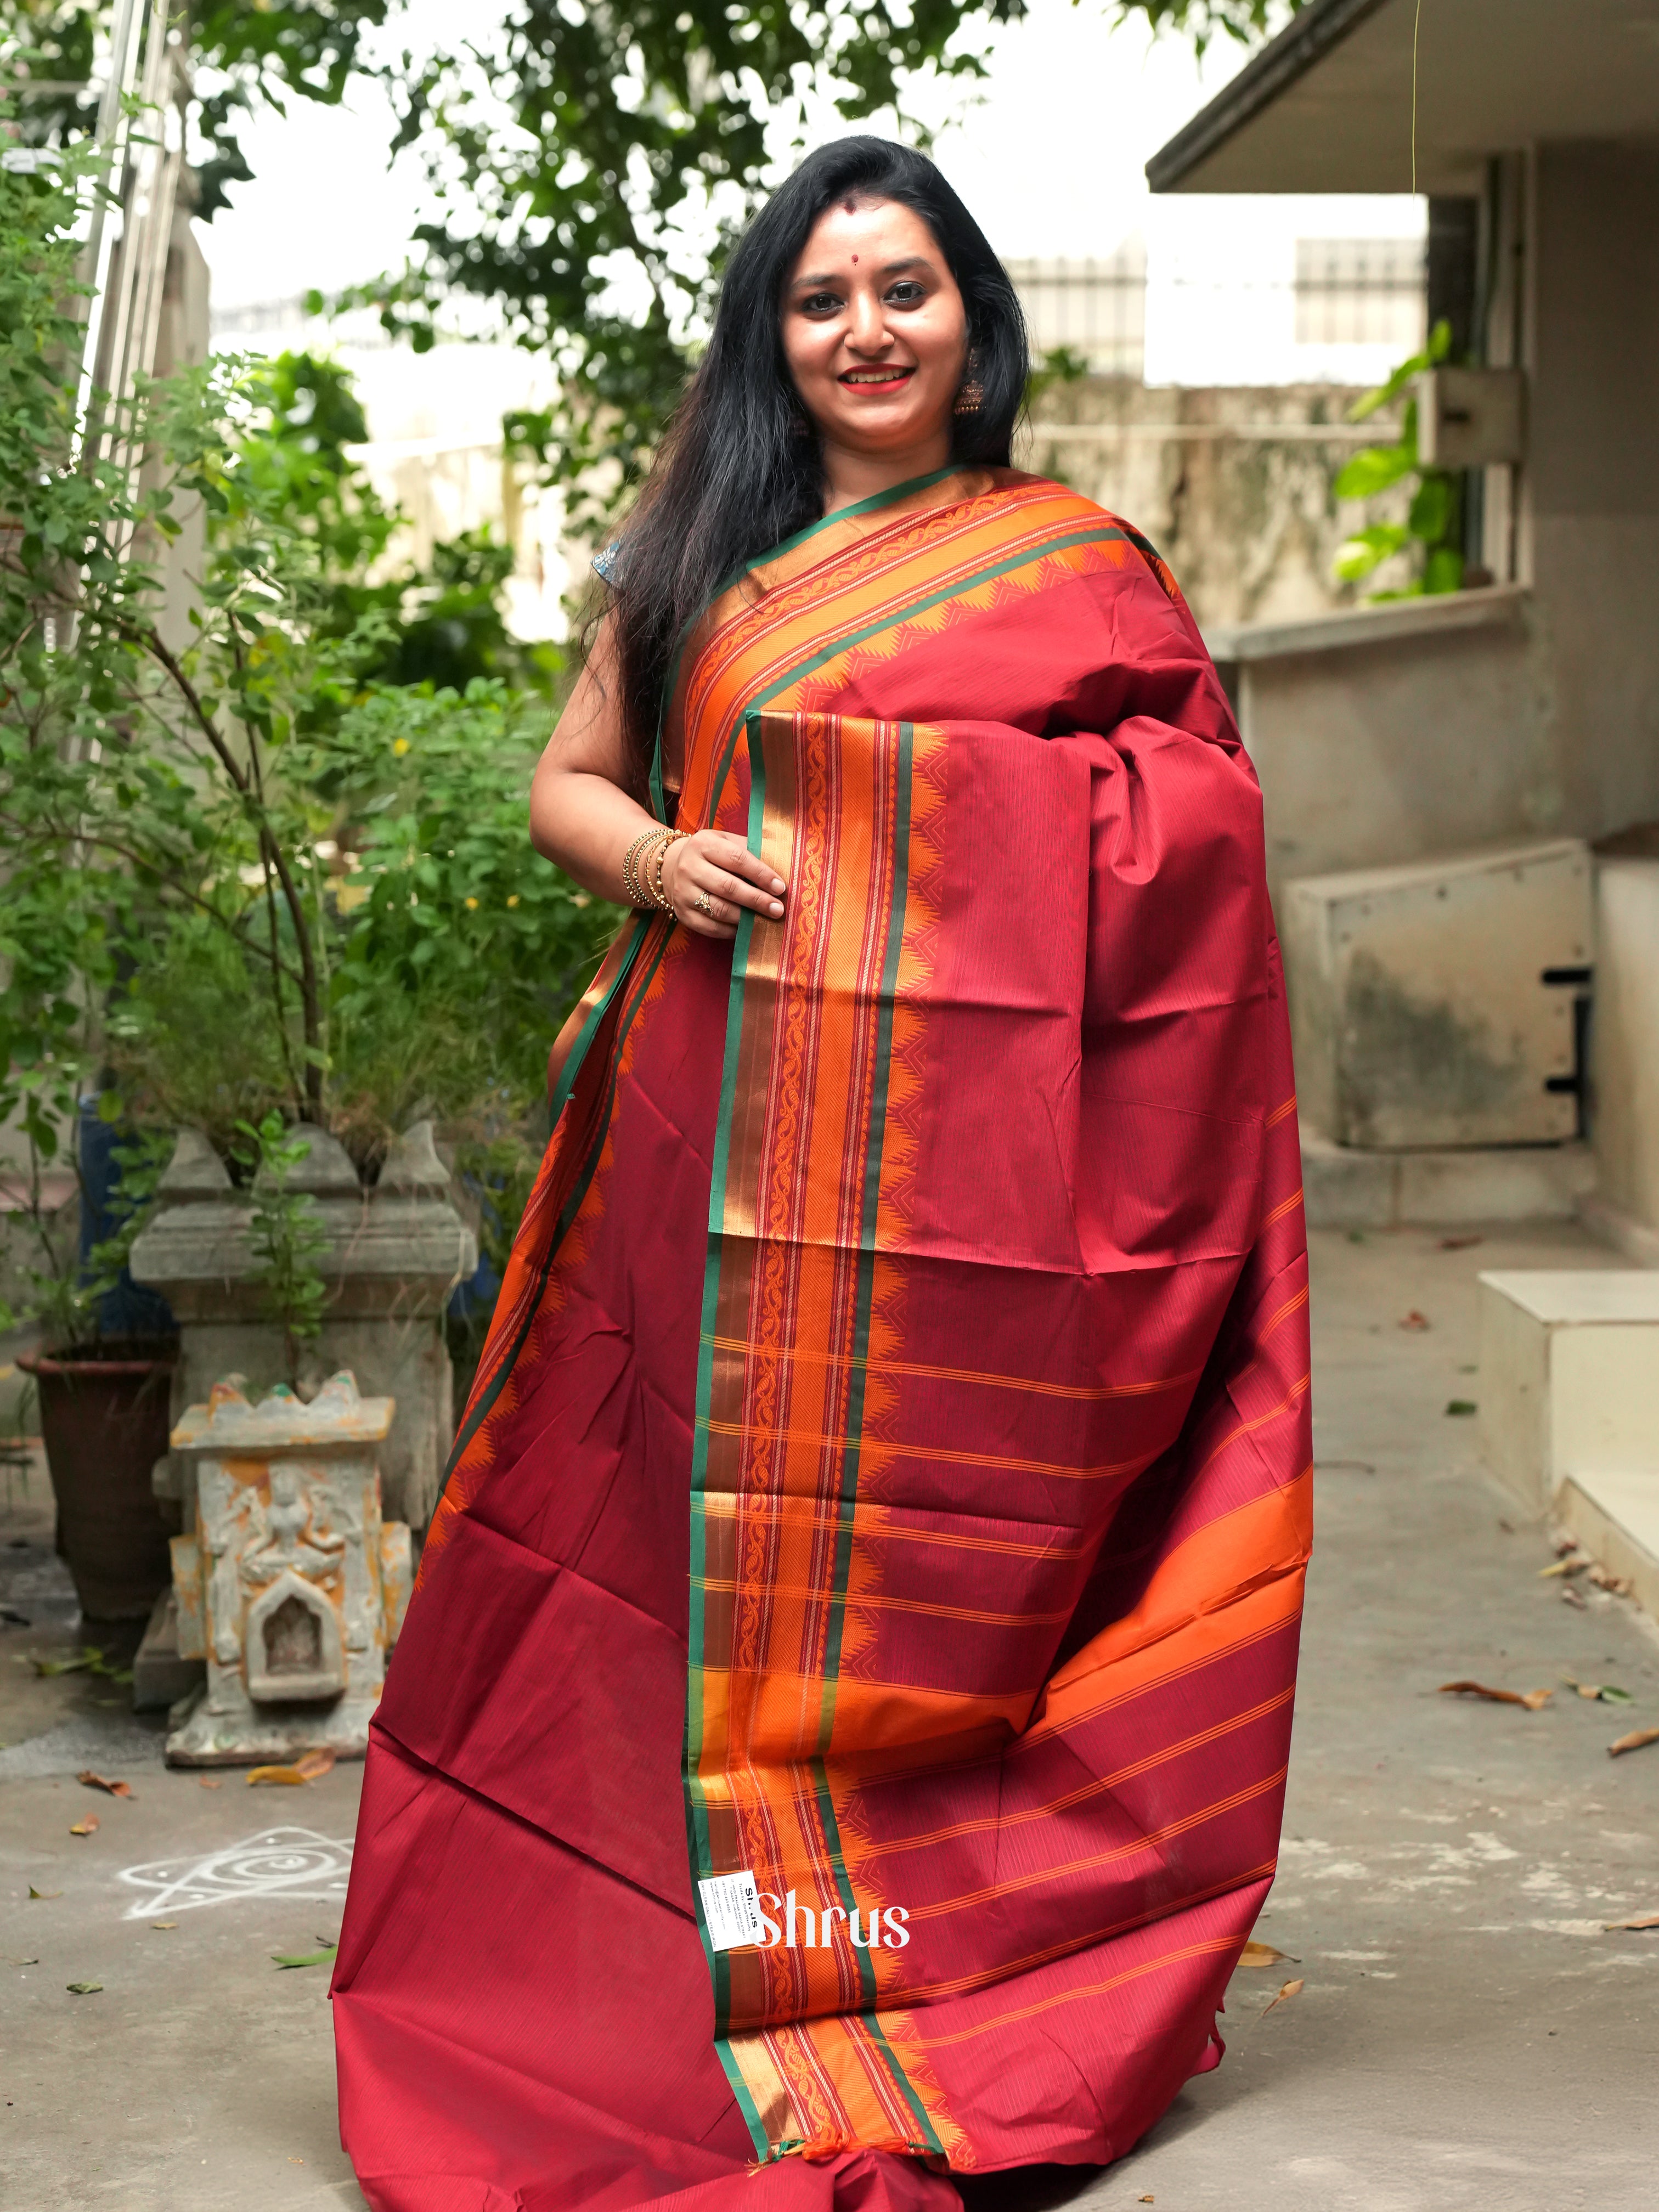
[{"x": 885, "y": 1492}]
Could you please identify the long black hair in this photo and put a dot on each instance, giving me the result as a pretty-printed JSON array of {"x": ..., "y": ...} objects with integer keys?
[{"x": 740, "y": 469}]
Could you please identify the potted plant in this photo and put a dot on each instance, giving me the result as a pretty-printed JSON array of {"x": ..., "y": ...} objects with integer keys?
[{"x": 104, "y": 1392}]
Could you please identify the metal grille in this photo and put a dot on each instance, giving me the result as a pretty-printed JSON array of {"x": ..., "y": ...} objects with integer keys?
[
  {"x": 1095, "y": 309},
  {"x": 1361, "y": 291}
]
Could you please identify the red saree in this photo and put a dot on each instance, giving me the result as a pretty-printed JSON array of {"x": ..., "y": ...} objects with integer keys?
[{"x": 888, "y": 1476}]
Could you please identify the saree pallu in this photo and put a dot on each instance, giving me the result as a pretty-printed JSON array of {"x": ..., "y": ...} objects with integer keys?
[{"x": 888, "y": 1476}]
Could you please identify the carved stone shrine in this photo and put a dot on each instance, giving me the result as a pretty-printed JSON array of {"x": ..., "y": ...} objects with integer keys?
[{"x": 288, "y": 1582}]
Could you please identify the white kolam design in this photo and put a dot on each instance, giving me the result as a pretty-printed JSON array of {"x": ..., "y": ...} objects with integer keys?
[{"x": 289, "y": 1862}]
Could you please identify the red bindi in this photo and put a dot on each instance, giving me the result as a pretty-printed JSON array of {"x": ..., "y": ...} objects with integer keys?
[{"x": 855, "y": 261}]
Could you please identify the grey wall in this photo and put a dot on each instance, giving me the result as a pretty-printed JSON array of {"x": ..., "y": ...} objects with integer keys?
[
  {"x": 1231, "y": 483},
  {"x": 1590, "y": 490}
]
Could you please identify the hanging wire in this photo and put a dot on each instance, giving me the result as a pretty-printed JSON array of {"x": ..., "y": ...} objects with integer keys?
[{"x": 1417, "y": 27}]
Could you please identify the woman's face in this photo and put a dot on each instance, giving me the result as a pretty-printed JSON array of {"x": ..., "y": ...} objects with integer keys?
[{"x": 874, "y": 330}]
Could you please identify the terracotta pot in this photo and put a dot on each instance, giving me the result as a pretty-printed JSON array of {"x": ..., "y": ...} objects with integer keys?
[{"x": 105, "y": 1414}]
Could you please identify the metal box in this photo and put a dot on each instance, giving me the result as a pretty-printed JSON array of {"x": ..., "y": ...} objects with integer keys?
[{"x": 1436, "y": 1004}]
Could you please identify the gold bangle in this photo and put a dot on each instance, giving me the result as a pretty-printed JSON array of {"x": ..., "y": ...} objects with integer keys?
[
  {"x": 637, "y": 893},
  {"x": 653, "y": 882}
]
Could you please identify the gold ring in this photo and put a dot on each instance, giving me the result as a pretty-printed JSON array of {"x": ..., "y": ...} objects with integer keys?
[{"x": 702, "y": 904}]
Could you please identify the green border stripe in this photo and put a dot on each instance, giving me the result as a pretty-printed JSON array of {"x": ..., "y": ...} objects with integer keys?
[
  {"x": 878, "y": 2036},
  {"x": 696, "y": 1654},
  {"x": 579, "y": 1053},
  {"x": 745, "y": 2102}
]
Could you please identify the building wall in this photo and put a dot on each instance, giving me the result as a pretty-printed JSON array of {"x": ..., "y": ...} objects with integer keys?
[
  {"x": 1231, "y": 483},
  {"x": 1589, "y": 491},
  {"x": 1625, "y": 1037},
  {"x": 1546, "y": 722},
  {"x": 1395, "y": 750}
]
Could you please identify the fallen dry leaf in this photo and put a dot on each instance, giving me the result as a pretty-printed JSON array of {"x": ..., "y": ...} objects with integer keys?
[
  {"x": 1633, "y": 1742},
  {"x": 102, "y": 1781},
  {"x": 1146, "y": 2200},
  {"x": 1574, "y": 1563},
  {"x": 211, "y": 1781},
  {"x": 164, "y": 1924},
  {"x": 1261, "y": 1954},
  {"x": 87, "y": 1827},
  {"x": 1414, "y": 1320},
  {"x": 1618, "y": 1584},
  {"x": 1291, "y": 1989},
  {"x": 43, "y": 1894},
  {"x": 311, "y": 1768},
  {"x": 1534, "y": 1700},
  {"x": 1459, "y": 1243},
  {"x": 83, "y": 1988},
  {"x": 1572, "y": 1595},
  {"x": 1652, "y": 1921}
]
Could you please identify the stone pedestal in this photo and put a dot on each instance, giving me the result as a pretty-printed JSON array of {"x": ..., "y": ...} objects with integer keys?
[
  {"x": 394, "y": 1253},
  {"x": 289, "y": 1584}
]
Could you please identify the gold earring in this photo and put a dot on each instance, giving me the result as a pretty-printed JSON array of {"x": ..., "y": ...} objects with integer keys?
[{"x": 971, "y": 397}]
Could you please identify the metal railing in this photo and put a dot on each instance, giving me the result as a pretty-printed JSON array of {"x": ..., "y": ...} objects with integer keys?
[
  {"x": 1095, "y": 309},
  {"x": 1361, "y": 291}
]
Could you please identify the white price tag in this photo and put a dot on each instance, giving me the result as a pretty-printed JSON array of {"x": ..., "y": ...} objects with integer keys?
[{"x": 732, "y": 1910}]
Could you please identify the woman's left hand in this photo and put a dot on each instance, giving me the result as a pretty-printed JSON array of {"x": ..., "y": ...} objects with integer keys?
[{"x": 712, "y": 877}]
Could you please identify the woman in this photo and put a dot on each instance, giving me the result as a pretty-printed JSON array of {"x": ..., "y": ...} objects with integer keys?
[{"x": 839, "y": 1734}]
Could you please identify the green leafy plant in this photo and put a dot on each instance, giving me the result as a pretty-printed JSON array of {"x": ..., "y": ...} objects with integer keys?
[
  {"x": 248, "y": 873},
  {"x": 1431, "y": 532},
  {"x": 287, "y": 1235}
]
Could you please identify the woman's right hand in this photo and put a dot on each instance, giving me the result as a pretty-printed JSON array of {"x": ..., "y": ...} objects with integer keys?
[{"x": 711, "y": 876}]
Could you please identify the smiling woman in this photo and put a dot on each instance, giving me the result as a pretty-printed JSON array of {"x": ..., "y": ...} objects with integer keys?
[
  {"x": 840, "y": 1733},
  {"x": 875, "y": 337}
]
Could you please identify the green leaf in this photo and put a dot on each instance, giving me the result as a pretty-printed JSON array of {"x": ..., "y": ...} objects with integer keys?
[
  {"x": 83, "y": 1988},
  {"x": 323, "y": 1958},
  {"x": 1368, "y": 548},
  {"x": 1431, "y": 509},
  {"x": 1374, "y": 469},
  {"x": 1443, "y": 570},
  {"x": 1461, "y": 1406}
]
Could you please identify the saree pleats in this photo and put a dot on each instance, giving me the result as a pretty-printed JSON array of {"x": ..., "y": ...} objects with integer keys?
[{"x": 888, "y": 1477}]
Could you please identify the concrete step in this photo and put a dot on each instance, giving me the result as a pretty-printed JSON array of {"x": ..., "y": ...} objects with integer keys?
[
  {"x": 1349, "y": 1189},
  {"x": 1616, "y": 1518},
  {"x": 1569, "y": 1377}
]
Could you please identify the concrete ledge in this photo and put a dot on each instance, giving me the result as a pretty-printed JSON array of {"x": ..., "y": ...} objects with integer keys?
[
  {"x": 1616, "y": 1518},
  {"x": 1349, "y": 1189},
  {"x": 1395, "y": 619}
]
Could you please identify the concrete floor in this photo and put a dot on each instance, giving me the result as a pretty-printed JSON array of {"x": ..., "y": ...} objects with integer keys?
[{"x": 1469, "y": 2034}]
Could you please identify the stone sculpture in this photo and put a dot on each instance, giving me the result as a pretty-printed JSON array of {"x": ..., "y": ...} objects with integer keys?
[{"x": 288, "y": 1582}]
